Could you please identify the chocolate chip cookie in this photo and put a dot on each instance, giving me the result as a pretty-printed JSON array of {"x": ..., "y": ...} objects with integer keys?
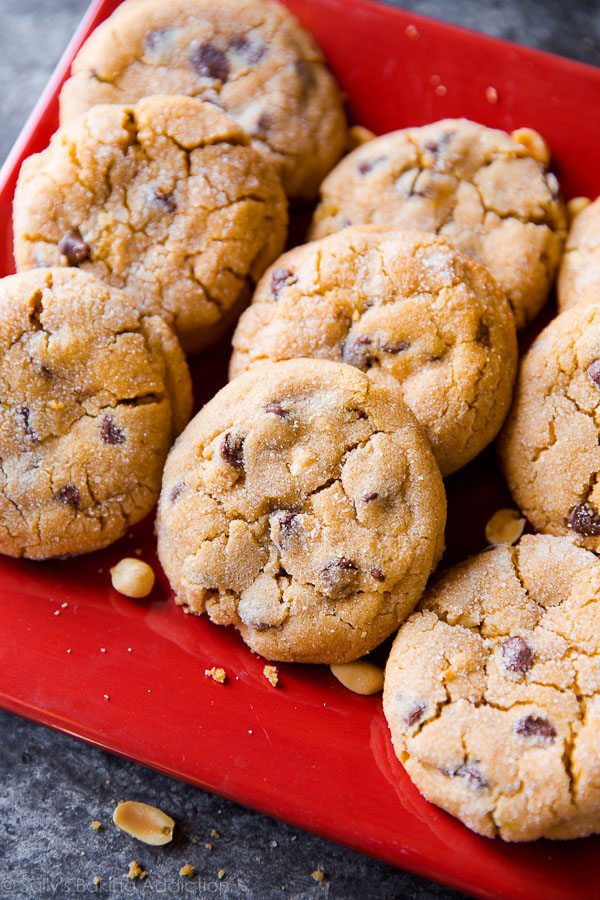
[
  {"x": 400, "y": 305},
  {"x": 164, "y": 199},
  {"x": 476, "y": 186},
  {"x": 549, "y": 448},
  {"x": 492, "y": 691},
  {"x": 303, "y": 506},
  {"x": 579, "y": 276},
  {"x": 252, "y": 58},
  {"x": 92, "y": 394}
]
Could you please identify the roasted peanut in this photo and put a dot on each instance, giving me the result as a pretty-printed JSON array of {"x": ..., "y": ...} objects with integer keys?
[
  {"x": 360, "y": 676},
  {"x": 144, "y": 822}
]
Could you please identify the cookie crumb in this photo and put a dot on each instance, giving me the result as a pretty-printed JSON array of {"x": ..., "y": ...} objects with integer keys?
[
  {"x": 136, "y": 871},
  {"x": 441, "y": 90},
  {"x": 221, "y": 874},
  {"x": 214, "y": 833},
  {"x": 491, "y": 94},
  {"x": 106, "y": 696},
  {"x": 208, "y": 846},
  {"x": 97, "y": 880},
  {"x": 271, "y": 673},
  {"x": 318, "y": 875},
  {"x": 187, "y": 871},
  {"x": 95, "y": 825},
  {"x": 412, "y": 32},
  {"x": 217, "y": 674}
]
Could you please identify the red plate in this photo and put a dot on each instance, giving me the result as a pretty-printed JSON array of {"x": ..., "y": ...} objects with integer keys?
[{"x": 309, "y": 751}]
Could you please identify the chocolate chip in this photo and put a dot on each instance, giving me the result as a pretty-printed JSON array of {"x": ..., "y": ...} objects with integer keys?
[
  {"x": 155, "y": 37},
  {"x": 584, "y": 519},
  {"x": 436, "y": 146},
  {"x": 24, "y": 413},
  {"x": 483, "y": 334},
  {"x": 593, "y": 371},
  {"x": 355, "y": 351},
  {"x": 251, "y": 51},
  {"x": 289, "y": 525},
  {"x": 396, "y": 348},
  {"x": 209, "y": 61},
  {"x": 367, "y": 165},
  {"x": 74, "y": 247},
  {"x": 276, "y": 409},
  {"x": 110, "y": 432},
  {"x": 306, "y": 75},
  {"x": 263, "y": 124},
  {"x": 377, "y": 574},
  {"x": 472, "y": 774},
  {"x": 165, "y": 201},
  {"x": 536, "y": 727},
  {"x": 232, "y": 450},
  {"x": 369, "y": 496},
  {"x": 415, "y": 714},
  {"x": 517, "y": 655},
  {"x": 176, "y": 492},
  {"x": 281, "y": 278},
  {"x": 359, "y": 413},
  {"x": 43, "y": 370},
  {"x": 68, "y": 495},
  {"x": 339, "y": 577}
]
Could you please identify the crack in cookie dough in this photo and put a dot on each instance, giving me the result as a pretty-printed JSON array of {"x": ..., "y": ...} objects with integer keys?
[
  {"x": 549, "y": 448},
  {"x": 401, "y": 306},
  {"x": 164, "y": 200},
  {"x": 303, "y": 506},
  {"x": 250, "y": 58},
  {"x": 93, "y": 392},
  {"x": 579, "y": 276},
  {"x": 473, "y": 185},
  {"x": 492, "y": 691}
]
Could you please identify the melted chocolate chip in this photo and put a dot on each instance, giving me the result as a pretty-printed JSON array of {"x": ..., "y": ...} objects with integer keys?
[
  {"x": 471, "y": 772},
  {"x": 339, "y": 577},
  {"x": 483, "y": 334},
  {"x": 69, "y": 495},
  {"x": 282, "y": 278},
  {"x": 276, "y": 409},
  {"x": 369, "y": 496},
  {"x": 232, "y": 450},
  {"x": 251, "y": 51},
  {"x": 536, "y": 727},
  {"x": 517, "y": 655},
  {"x": 356, "y": 352},
  {"x": 289, "y": 525},
  {"x": 377, "y": 574},
  {"x": 593, "y": 371},
  {"x": 396, "y": 348},
  {"x": 209, "y": 61},
  {"x": 176, "y": 492},
  {"x": 74, "y": 247},
  {"x": 110, "y": 432},
  {"x": 367, "y": 165},
  {"x": 415, "y": 714},
  {"x": 165, "y": 201},
  {"x": 584, "y": 519}
]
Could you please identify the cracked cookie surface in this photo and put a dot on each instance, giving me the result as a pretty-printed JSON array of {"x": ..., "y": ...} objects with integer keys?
[
  {"x": 473, "y": 185},
  {"x": 579, "y": 276},
  {"x": 492, "y": 691},
  {"x": 92, "y": 395},
  {"x": 249, "y": 56},
  {"x": 164, "y": 199},
  {"x": 401, "y": 306},
  {"x": 304, "y": 506},
  {"x": 550, "y": 445}
]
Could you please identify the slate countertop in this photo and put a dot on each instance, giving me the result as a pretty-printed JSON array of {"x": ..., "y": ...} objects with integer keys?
[{"x": 52, "y": 787}]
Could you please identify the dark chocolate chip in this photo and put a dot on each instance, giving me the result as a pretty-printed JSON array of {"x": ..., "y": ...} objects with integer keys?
[
  {"x": 74, "y": 247},
  {"x": 69, "y": 495},
  {"x": 472, "y": 774},
  {"x": 356, "y": 352},
  {"x": 209, "y": 61},
  {"x": 339, "y": 577},
  {"x": 165, "y": 201},
  {"x": 251, "y": 51},
  {"x": 517, "y": 655},
  {"x": 43, "y": 370},
  {"x": 263, "y": 124},
  {"x": 436, "y": 146},
  {"x": 24, "y": 413},
  {"x": 584, "y": 519},
  {"x": 415, "y": 714},
  {"x": 593, "y": 371},
  {"x": 289, "y": 525},
  {"x": 232, "y": 450},
  {"x": 377, "y": 574},
  {"x": 370, "y": 495},
  {"x": 281, "y": 278},
  {"x": 110, "y": 432},
  {"x": 359, "y": 413},
  {"x": 536, "y": 727},
  {"x": 367, "y": 165},
  {"x": 154, "y": 38},
  {"x": 396, "y": 348},
  {"x": 176, "y": 492},
  {"x": 276, "y": 409},
  {"x": 306, "y": 75},
  {"x": 483, "y": 334}
]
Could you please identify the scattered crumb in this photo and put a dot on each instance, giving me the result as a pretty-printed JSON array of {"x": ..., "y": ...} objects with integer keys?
[
  {"x": 221, "y": 874},
  {"x": 441, "y": 90},
  {"x": 56, "y": 404},
  {"x": 435, "y": 80},
  {"x": 214, "y": 833},
  {"x": 271, "y": 673},
  {"x": 217, "y": 674},
  {"x": 491, "y": 94},
  {"x": 96, "y": 825},
  {"x": 102, "y": 649},
  {"x": 106, "y": 696},
  {"x": 69, "y": 650},
  {"x": 250, "y": 731},
  {"x": 412, "y": 33},
  {"x": 187, "y": 871},
  {"x": 135, "y": 870},
  {"x": 97, "y": 880},
  {"x": 208, "y": 846},
  {"x": 57, "y": 612},
  {"x": 64, "y": 605},
  {"x": 138, "y": 551},
  {"x": 130, "y": 649},
  {"x": 318, "y": 875}
]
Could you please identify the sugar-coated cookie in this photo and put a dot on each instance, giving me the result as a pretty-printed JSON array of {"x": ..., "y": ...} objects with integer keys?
[{"x": 579, "y": 275}]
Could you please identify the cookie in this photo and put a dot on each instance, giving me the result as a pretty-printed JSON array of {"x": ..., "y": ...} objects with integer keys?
[
  {"x": 492, "y": 691},
  {"x": 92, "y": 395},
  {"x": 252, "y": 58},
  {"x": 165, "y": 200},
  {"x": 549, "y": 448},
  {"x": 579, "y": 276},
  {"x": 399, "y": 305},
  {"x": 303, "y": 506},
  {"x": 473, "y": 185}
]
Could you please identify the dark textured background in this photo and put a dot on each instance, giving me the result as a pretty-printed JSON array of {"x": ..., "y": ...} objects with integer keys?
[{"x": 52, "y": 786}]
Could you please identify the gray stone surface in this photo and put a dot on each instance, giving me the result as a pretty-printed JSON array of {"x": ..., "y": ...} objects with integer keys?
[{"x": 52, "y": 786}]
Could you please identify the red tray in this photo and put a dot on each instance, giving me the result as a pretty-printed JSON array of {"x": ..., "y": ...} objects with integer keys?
[{"x": 128, "y": 676}]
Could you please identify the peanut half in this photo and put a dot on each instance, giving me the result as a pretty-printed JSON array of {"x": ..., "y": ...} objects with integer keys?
[
  {"x": 144, "y": 822},
  {"x": 505, "y": 527},
  {"x": 360, "y": 676},
  {"x": 132, "y": 577},
  {"x": 534, "y": 143}
]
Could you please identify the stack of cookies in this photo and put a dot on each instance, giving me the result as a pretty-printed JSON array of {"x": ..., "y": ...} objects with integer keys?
[{"x": 305, "y": 503}]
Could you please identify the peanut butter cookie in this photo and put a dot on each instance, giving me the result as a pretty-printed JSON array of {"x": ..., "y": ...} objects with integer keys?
[
  {"x": 251, "y": 57},
  {"x": 92, "y": 394},
  {"x": 303, "y": 506},
  {"x": 476, "y": 186},
  {"x": 492, "y": 691},
  {"x": 165, "y": 200},
  {"x": 550, "y": 448},
  {"x": 579, "y": 276},
  {"x": 400, "y": 305}
]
